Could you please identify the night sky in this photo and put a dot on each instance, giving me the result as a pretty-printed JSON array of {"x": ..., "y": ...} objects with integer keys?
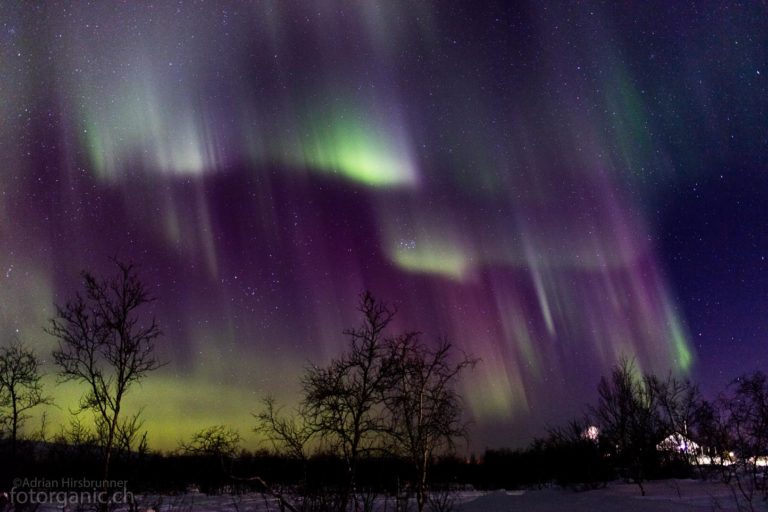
[{"x": 548, "y": 185}]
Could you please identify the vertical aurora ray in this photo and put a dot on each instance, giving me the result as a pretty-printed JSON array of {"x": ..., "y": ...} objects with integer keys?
[{"x": 144, "y": 129}]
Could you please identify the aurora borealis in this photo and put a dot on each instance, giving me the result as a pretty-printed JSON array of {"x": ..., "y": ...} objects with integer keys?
[{"x": 549, "y": 185}]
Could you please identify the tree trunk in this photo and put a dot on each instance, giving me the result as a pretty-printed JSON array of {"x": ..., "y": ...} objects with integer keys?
[
  {"x": 350, "y": 490},
  {"x": 108, "y": 446},
  {"x": 103, "y": 507},
  {"x": 421, "y": 486},
  {"x": 15, "y": 426},
  {"x": 108, "y": 457}
]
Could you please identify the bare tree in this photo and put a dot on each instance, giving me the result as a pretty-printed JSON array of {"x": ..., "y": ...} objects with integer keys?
[
  {"x": 76, "y": 442},
  {"x": 76, "y": 435},
  {"x": 382, "y": 392},
  {"x": 343, "y": 401},
  {"x": 710, "y": 429},
  {"x": 217, "y": 441},
  {"x": 628, "y": 416},
  {"x": 128, "y": 436},
  {"x": 424, "y": 407},
  {"x": 20, "y": 387},
  {"x": 746, "y": 412},
  {"x": 288, "y": 435},
  {"x": 105, "y": 343},
  {"x": 678, "y": 403}
]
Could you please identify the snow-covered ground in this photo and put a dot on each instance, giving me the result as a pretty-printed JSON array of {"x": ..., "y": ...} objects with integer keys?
[{"x": 661, "y": 496}]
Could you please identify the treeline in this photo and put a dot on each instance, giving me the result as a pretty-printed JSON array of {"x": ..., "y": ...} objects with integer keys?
[
  {"x": 383, "y": 418},
  {"x": 645, "y": 427}
]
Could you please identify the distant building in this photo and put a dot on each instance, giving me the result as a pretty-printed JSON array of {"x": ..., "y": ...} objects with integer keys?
[{"x": 679, "y": 443}]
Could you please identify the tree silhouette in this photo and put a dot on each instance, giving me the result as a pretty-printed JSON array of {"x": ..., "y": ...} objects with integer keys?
[
  {"x": 343, "y": 401},
  {"x": 746, "y": 419},
  {"x": 384, "y": 393},
  {"x": 20, "y": 387},
  {"x": 216, "y": 441},
  {"x": 678, "y": 402},
  {"x": 628, "y": 417},
  {"x": 423, "y": 405},
  {"x": 289, "y": 435},
  {"x": 106, "y": 344}
]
